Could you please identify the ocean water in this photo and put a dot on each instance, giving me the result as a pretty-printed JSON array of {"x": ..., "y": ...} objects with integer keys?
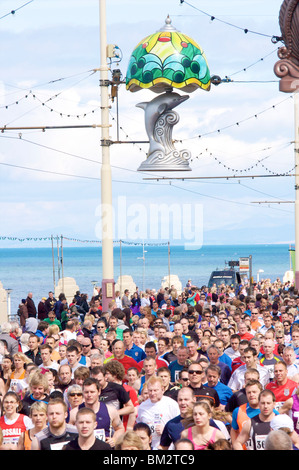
[{"x": 31, "y": 269}]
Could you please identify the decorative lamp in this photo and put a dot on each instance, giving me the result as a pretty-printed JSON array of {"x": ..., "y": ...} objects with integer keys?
[{"x": 162, "y": 61}]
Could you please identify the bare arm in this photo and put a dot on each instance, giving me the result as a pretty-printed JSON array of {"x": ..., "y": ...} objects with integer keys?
[
  {"x": 117, "y": 426},
  {"x": 132, "y": 419},
  {"x": 234, "y": 435},
  {"x": 35, "y": 444},
  {"x": 243, "y": 436},
  {"x": 127, "y": 408},
  {"x": 286, "y": 406},
  {"x": 73, "y": 414}
]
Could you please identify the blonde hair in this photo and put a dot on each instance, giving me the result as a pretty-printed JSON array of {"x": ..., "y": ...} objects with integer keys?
[
  {"x": 53, "y": 330},
  {"x": 38, "y": 378},
  {"x": 154, "y": 379},
  {"x": 130, "y": 438},
  {"x": 40, "y": 406},
  {"x": 23, "y": 357},
  {"x": 89, "y": 317}
]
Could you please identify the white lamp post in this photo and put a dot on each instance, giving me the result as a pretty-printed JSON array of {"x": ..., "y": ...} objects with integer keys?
[
  {"x": 106, "y": 178},
  {"x": 8, "y": 300},
  {"x": 258, "y": 275}
]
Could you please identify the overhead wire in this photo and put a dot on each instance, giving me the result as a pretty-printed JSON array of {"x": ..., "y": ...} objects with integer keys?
[{"x": 12, "y": 12}]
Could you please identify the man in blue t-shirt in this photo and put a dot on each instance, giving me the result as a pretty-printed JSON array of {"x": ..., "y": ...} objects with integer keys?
[
  {"x": 131, "y": 349},
  {"x": 213, "y": 374},
  {"x": 176, "y": 366}
]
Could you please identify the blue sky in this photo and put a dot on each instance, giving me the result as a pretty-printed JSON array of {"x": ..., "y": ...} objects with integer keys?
[{"x": 49, "y": 49}]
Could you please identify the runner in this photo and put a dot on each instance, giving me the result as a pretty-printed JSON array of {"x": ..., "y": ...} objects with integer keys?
[
  {"x": 12, "y": 422},
  {"x": 256, "y": 429},
  {"x": 282, "y": 387},
  {"x": 201, "y": 434},
  {"x": 58, "y": 433},
  {"x": 157, "y": 410}
]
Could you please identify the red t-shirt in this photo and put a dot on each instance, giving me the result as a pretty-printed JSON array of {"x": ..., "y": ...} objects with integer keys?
[
  {"x": 247, "y": 336},
  {"x": 282, "y": 392},
  {"x": 128, "y": 362},
  {"x": 237, "y": 362},
  {"x": 159, "y": 362},
  {"x": 134, "y": 398}
]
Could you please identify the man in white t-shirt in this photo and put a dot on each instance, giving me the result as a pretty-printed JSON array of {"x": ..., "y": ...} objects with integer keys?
[
  {"x": 157, "y": 410},
  {"x": 46, "y": 351},
  {"x": 69, "y": 332},
  {"x": 237, "y": 380}
]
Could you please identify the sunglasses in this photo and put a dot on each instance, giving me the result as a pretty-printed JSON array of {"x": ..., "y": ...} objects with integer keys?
[
  {"x": 197, "y": 372},
  {"x": 185, "y": 379},
  {"x": 75, "y": 394}
]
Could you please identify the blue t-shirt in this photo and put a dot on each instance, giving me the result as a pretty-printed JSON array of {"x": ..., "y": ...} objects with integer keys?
[
  {"x": 136, "y": 353},
  {"x": 172, "y": 431},
  {"x": 224, "y": 392},
  {"x": 174, "y": 368},
  {"x": 251, "y": 412}
]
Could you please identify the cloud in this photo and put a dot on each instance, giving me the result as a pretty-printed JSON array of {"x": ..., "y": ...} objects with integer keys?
[{"x": 50, "y": 54}]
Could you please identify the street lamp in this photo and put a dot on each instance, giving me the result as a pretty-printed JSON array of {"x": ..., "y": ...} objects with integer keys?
[
  {"x": 8, "y": 291},
  {"x": 258, "y": 275},
  {"x": 143, "y": 258},
  {"x": 162, "y": 61},
  {"x": 94, "y": 284},
  {"x": 106, "y": 177}
]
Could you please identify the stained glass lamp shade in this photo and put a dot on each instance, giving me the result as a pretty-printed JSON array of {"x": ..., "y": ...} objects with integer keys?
[{"x": 168, "y": 59}]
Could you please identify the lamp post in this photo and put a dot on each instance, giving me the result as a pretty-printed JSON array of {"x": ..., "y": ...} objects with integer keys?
[
  {"x": 8, "y": 291},
  {"x": 106, "y": 178},
  {"x": 258, "y": 275},
  {"x": 94, "y": 284},
  {"x": 143, "y": 271},
  {"x": 287, "y": 69}
]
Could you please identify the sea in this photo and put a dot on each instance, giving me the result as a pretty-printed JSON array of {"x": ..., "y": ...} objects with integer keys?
[{"x": 32, "y": 269}]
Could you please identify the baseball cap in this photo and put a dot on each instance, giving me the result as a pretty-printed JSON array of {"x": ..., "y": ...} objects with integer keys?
[{"x": 281, "y": 421}]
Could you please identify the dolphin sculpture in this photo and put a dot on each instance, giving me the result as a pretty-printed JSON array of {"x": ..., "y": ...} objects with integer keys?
[{"x": 153, "y": 111}]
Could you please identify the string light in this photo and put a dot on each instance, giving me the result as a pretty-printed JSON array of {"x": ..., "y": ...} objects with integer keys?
[
  {"x": 244, "y": 69},
  {"x": 236, "y": 123},
  {"x": 124, "y": 242},
  {"x": 126, "y": 135},
  {"x": 254, "y": 165},
  {"x": 274, "y": 39},
  {"x": 53, "y": 97},
  {"x": 13, "y": 12}
]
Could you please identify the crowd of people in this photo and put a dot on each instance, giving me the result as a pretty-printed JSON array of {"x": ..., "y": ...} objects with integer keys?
[{"x": 202, "y": 369}]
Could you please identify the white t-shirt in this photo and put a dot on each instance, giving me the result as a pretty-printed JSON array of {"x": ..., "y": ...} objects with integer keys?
[
  {"x": 157, "y": 413},
  {"x": 230, "y": 352},
  {"x": 54, "y": 365},
  {"x": 237, "y": 380}
]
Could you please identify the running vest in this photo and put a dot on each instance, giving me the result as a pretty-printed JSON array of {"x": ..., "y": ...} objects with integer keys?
[
  {"x": 201, "y": 447},
  {"x": 27, "y": 440},
  {"x": 258, "y": 433},
  {"x": 48, "y": 441},
  {"x": 103, "y": 428},
  {"x": 241, "y": 418},
  {"x": 12, "y": 432},
  {"x": 295, "y": 412}
]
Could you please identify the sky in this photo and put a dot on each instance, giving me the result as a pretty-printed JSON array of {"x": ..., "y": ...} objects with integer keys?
[{"x": 50, "y": 180}]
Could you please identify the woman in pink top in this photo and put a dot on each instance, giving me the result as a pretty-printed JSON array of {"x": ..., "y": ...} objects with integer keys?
[{"x": 201, "y": 434}]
